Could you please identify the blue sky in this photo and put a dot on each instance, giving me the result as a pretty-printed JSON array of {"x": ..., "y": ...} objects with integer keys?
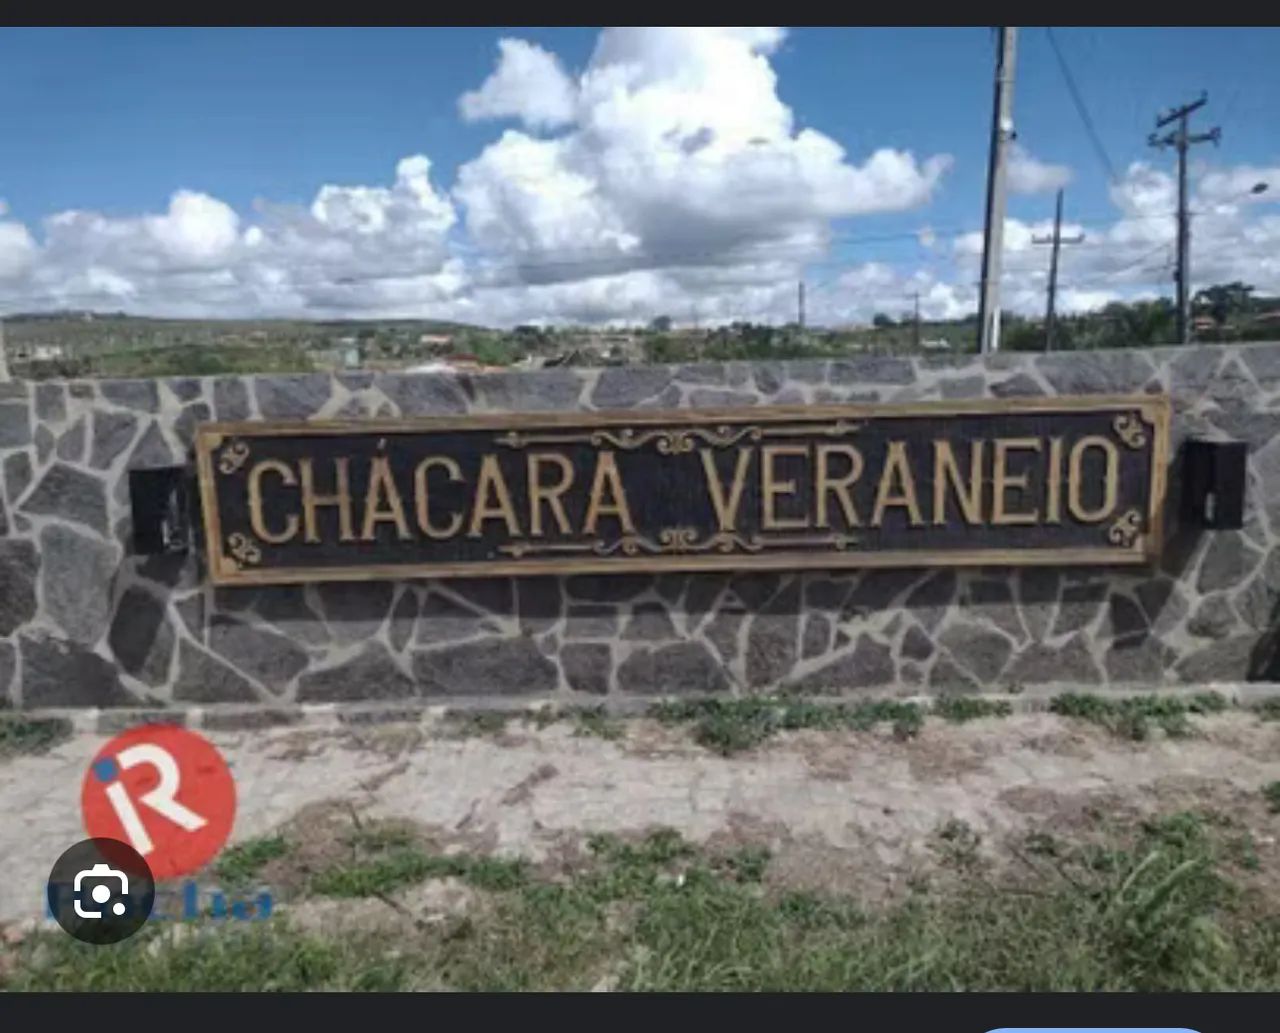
[{"x": 115, "y": 120}]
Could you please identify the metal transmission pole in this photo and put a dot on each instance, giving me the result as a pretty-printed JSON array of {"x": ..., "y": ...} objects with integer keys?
[
  {"x": 801, "y": 305},
  {"x": 1056, "y": 240},
  {"x": 4, "y": 365},
  {"x": 1002, "y": 135},
  {"x": 1179, "y": 138}
]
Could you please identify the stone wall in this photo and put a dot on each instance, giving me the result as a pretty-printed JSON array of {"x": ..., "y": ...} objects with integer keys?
[{"x": 83, "y": 623}]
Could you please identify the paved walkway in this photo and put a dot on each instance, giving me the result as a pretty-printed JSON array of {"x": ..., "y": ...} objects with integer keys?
[{"x": 846, "y": 808}]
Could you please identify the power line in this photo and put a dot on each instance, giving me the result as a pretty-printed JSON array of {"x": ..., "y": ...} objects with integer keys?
[{"x": 1081, "y": 109}]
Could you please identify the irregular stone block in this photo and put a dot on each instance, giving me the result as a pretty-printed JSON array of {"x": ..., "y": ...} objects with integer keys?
[
  {"x": 76, "y": 581},
  {"x": 1018, "y": 386},
  {"x": 931, "y": 599},
  {"x": 15, "y": 425},
  {"x": 17, "y": 475},
  {"x": 916, "y": 644},
  {"x": 189, "y": 420},
  {"x": 870, "y": 369},
  {"x": 371, "y": 674},
  {"x": 71, "y": 494},
  {"x": 817, "y": 636},
  {"x": 722, "y": 632},
  {"x": 1095, "y": 373},
  {"x": 868, "y": 664},
  {"x": 268, "y": 658},
  {"x": 494, "y": 594},
  {"x": 539, "y": 601},
  {"x": 231, "y": 399},
  {"x": 1079, "y": 606},
  {"x": 191, "y": 611},
  {"x": 772, "y": 637},
  {"x": 8, "y": 664},
  {"x": 679, "y": 668},
  {"x": 440, "y": 619},
  {"x": 1212, "y": 618},
  {"x": 355, "y": 611},
  {"x": 205, "y": 679},
  {"x": 1136, "y": 659},
  {"x": 1225, "y": 660},
  {"x": 140, "y": 395},
  {"x": 295, "y": 397},
  {"x": 1228, "y": 560},
  {"x": 112, "y": 433},
  {"x": 44, "y": 444},
  {"x": 553, "y": 390},
  {"x": 418, "y": 394},
  {"x": 492, "y": 666},
  {"x": 624, "y": 386},
  {"x": 591, "y": 621},
  {"x": 1041, "y": 664},
  {"x": 70, "y": 445},
  {"x": 964, "y": 387},
  {"x": 982, "y": 652},
  {"x": 404, "y": 616},
  {"x": 649, "y": 621},
  {"x": 599, "y": 588},
  {"x": 58, "y": 673},
  {"x": 587, "y": 667},
  {"x": 51, "y": 403},
  {"x": 945, "y": 677},
  {"x": 141, "y": 638},
  {"x": 1127, "y": 617},
  {"x": 19, "y": 567},
  {"x": 993, "y": 601},
  {"x": 878, "y": 590}
]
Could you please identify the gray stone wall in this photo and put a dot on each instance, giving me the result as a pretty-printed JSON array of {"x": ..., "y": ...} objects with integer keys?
[{"x": 83, "y": 623}]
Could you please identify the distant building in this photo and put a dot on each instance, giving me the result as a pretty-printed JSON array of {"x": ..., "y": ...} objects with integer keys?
[
  {"x": 436, "y": 339},
  {"x": 935, "y": 344}
]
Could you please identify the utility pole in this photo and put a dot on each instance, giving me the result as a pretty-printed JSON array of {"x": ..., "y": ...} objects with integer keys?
[
  {"x": 801, "y": 305},
  {"x": 1002, "y": 135},
  {"x": 4, "y": 364},
  {"x": 916, "y": 298},
  {"x": 1056, "y": 240},
  {"x": 1180, "y": 139}
]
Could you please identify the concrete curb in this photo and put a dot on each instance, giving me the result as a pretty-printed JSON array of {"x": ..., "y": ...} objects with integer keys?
[{"x": 230, "y": 717}]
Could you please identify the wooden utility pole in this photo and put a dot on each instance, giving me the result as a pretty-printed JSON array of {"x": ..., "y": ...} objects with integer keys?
[
  {"x": 915, "y": 295},
  {"x": 1056, "y": 240},
  {"x": 800, "y": 305},
  {"x": 1180, "y": 139},
  {"x": 1002, "y": 135}
]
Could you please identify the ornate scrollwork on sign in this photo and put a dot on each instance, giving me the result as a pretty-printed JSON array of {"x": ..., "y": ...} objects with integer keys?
[
  {"x": 676, "y": 440},
  {"x": 1126, "y": 528},
  {"x": 244, "y": 550},
  {"x": 234, "y": 456},
  {"x": 681, "y": 541},
  {"x": 1131, "y": 429}
]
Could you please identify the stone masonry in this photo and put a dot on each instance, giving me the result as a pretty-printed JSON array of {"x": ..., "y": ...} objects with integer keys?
[{"x": 84, "y": 623}]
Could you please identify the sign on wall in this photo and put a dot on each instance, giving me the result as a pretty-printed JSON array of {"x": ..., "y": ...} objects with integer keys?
[{"x": 1059, "y": 481}]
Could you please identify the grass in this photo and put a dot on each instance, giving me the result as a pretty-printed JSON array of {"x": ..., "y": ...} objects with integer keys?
[
  {"x": 1133, "y": 717},
  {"x": 1155, "y": 908},
  {"x": 1271, "y": 791},
  {"x": 25, "y": 735},
  {"x": 242, "y": 863},
  {"x": 730, "y": 726}
]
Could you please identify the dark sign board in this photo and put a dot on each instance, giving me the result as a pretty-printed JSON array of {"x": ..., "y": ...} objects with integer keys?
[{"x": 989, "y": 482}]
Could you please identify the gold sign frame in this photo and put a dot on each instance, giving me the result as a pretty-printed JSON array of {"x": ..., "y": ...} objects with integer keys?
[{"x": 231, "y": 561}]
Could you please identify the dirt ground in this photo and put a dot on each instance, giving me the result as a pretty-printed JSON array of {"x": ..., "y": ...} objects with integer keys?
[{"x": 859, "y": 812}]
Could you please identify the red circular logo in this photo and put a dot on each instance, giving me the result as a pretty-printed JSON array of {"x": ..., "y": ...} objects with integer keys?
[{"x": 165, "y": 791}]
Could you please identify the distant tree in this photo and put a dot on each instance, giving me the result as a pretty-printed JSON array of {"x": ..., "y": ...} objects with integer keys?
[
  {"x": 661, "y": 325},
  {"x": 1222, "y": 301},
  {"x": 882, "y": 321}
]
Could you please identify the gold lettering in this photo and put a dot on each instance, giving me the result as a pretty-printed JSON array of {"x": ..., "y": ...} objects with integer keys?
[
  {"x": 1053, "y": 507},
  {"x": 838, "y": 485},
  {"x": 382, "y": 483},
  {"x": 422, "y": 500},
  {"x": 256, "y": 520},
  {"x": 771, "y": 488},
  {"x": 491, "y": 482},
  {"x": 311, "y": 501},
  {"x": 607, "y": 473},
  {"x": 896, "y": 465},
  {"x": 1002, "y": 482},
  {"x": 726, "y": 512},
  {"x": 1075, "y": 480},
  {"x": 548, "y": 493},
  {"x": 947, "y": 471}
]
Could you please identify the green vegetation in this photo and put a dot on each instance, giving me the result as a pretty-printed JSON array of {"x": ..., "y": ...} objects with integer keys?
[
  {"x": 19, "y": 735},
  {"x": 1132, "y": 717},
  {"x": 732, "y": 725},
  {"x": 1272, "y": 793},
  {"x": 1162, "y": 907},
  {"x": 242, "y": 863},
  {"x": 959, "y": 709}
]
